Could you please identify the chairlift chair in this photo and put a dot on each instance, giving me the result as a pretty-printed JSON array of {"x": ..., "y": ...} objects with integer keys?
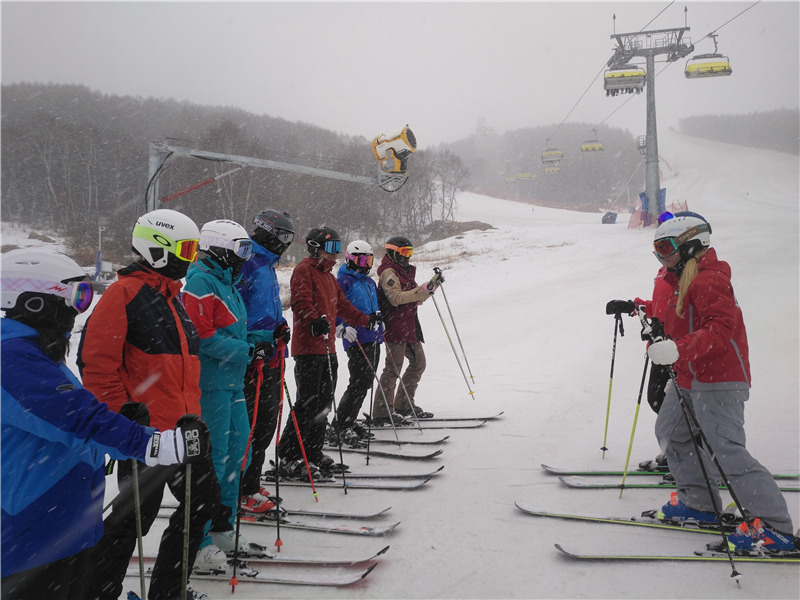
[
  {"x": 594, "y": 145},
  {"x": 551, "y": 170},
  {"x": 708, "y": 65},
  {"x": 552, "y": 155},
  {"x": 624, "y": 79}
]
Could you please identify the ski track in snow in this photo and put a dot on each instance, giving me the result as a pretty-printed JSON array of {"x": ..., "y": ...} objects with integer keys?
[{"x": 529, "y": 300}]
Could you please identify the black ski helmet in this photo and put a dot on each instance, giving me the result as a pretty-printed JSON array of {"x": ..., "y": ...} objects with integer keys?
[
  {"x": 273, "y": 230},
  {"x": 320, "y": 237},
  {"x": 398, "y": 241}
]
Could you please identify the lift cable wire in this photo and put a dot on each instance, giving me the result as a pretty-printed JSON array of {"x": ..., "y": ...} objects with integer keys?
[{"x": 659, "y": 14}]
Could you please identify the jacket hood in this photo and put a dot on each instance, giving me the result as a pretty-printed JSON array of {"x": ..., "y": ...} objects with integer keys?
[
  {"x": 11, "y": 329},
  {"x": 264, "y": 254},
  {"x": 710, "y": 262},
  {"x": 212, "y": 267},
  {"x": 344, "y": 270},
  {"x": 165, "y": 285}
]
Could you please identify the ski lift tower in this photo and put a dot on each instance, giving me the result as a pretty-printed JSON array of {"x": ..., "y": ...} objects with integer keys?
[{"x": 648, "y": 45}]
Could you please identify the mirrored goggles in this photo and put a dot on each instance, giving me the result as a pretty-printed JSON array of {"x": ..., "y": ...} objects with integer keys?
[
  {"x": 406, "y": 251},
  {"x": 333, "y": 246},
  {"x": 665, "y": 216},
  {"x": 243, "y": 248},
  {"x": 285, "y": 237},
  {"x": 665, "y": 247},
  {"x": 183, "y": 249},
  {"x": 77, "y": 294},
  {"x": 360, "y": 260}
]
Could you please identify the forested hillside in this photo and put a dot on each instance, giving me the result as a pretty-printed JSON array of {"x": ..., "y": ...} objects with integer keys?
[
  {"x": 777, "y": 130},
  {"x": 74, "y": 160}
]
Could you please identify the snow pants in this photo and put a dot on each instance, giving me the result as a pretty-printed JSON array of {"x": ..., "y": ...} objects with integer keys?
[
  {"x": 396, "y": 395},
  {"x": 225, "y": 413},
  {"x": 63, "y": 579},
  {"x": 721, "y": 417},
  {"x": 114, "y": 550},
  {"x": 361, "y": 380},
  {"x": 316, "y": 385},
  {"x": 269, "y": 402}
]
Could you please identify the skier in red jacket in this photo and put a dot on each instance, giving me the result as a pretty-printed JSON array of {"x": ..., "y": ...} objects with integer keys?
[{"x": 316, "y": 301}]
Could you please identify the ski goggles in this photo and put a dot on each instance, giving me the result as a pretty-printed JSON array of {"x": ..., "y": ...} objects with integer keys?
[
  {"x": 283, "y": 235},
  {"x": 76, "y": 294},
  {"x": 183, "y": 249},
  {"x": 665, "y": 216},
  {"x": 360, "y": 260},
  {"x": 333, "y": 246},
  {"x": 406, "y": 251},
  {"x": 243, "y": 248},
  {"x": 665, "y": 247}
]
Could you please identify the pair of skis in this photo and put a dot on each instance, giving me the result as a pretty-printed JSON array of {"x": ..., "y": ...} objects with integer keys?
[{"x": 698, "y": 528}]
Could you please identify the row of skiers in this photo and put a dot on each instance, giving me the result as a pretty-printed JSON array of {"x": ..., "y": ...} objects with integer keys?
[
  {"x": 700, "y": 366},
  {"x": 153, "y": 360}
]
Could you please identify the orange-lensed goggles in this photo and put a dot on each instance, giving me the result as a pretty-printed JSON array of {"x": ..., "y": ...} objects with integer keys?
[
  {"x": 665, "y": 247},
  {"x": 186, "y": 249},
  {"x": 406, "y": 251}
]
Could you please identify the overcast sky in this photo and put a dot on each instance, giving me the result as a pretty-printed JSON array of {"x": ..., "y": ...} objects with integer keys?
[{"x": 370, "y": 68}]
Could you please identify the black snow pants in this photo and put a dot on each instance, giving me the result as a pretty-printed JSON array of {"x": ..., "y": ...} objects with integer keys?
[{"x": 361, "y": 379}]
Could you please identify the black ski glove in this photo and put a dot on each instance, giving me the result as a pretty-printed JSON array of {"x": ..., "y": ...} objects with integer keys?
[
  {"x": 136, "y": 412},
  {"x": 616, "y": 307},
  {"x": 262, "y": 351},
  {"x": 189, "y": 442},
  {"x": 319, "y": 326},
  {"x": 282, "y": 332},
  {"x": 196, "y": 439},
  {"x": 375, "y": 319}
]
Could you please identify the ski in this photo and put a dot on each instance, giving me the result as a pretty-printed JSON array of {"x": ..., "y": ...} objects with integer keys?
[
  {"x": 436, "y": 442},
  {"x": 324, "y": 577},
  {"x": 378, "y": 475},
  {"x": 360, "y": 485},
  {"x": 636, "y": 472},
  {"x": 789, "y": 557},
  {"x": 583, "y": 483},
  {"x": 386, "y": 454},
  {"x": 449, "y": 419},
  {"x": 635, "y": 521},
  {"x": 295, "y": 512},
  {"x": 426, "y": 424},
  {"x": 321, "y": 526},
  {"x": 278, "y": 560}
]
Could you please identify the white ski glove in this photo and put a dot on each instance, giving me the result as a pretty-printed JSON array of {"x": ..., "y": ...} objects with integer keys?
[
  {"x": 663, "y": 353},
  {"x": 165, "y": 448},
  {"x": 339, "y": 330},
  {"x": 350, "y": 334}
]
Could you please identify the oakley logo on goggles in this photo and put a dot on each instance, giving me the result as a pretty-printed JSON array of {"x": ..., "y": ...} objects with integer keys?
[
  {"x": 284, "y": 236},
  {"x": 183, "y": 249},
  {"x": 243, "y": 248},
  {"x": 360, "y": 260},
  {"x": 669, "y": 246},
  {"x": 406, "y": 251},
  {"x": 77, "y": 294}
]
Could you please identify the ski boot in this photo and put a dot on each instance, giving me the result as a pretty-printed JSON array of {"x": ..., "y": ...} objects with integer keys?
[
  {"x": 756, "y": 538},
  {"x": 298, "y": 471},
  {"x": 258, "y": 503},
  {"x": 657, "y": 464},
  {"x": 210, "y": 560},
  {"x": 677, "y": 512}
]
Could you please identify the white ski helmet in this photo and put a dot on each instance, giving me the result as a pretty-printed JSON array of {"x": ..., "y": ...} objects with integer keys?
[
  {"x": 165, "y": 231},
  {"x": 226, "y": 235},
  {"x": 686, "y": 231},
  {"x": 358, "y": 255},
  {"x": 43, "y": 271}
]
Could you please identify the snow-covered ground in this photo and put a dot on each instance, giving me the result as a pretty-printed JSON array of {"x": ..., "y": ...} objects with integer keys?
[{"x": 529, "y": 300}]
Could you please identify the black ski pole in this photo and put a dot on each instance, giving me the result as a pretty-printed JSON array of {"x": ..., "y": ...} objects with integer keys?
[
  {"x": 293, "y": 414},
  {"x": 186, "y": 523},
  {"x": 617, "y": 326},
  {"x": 371, "y": 399},
  {"x": 694, "y": 430},
  {"x": 137, "y": 500},
  {"x": 385, "y": 401},
  {"x": 390, "y": 357},
  {"x": 438, "y": 271},
  {"x": 336, "y": 415}
]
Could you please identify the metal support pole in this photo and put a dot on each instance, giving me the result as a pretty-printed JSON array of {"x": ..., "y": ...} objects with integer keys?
[
  {"x": 152, "y": 193},
  {"x": 652, "y": 182}
]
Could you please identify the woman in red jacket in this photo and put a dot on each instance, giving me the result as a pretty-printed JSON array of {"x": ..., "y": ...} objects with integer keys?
[{"x": 707, "y": 348}]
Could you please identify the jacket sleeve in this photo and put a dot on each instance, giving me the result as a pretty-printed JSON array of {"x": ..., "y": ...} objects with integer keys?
[
  {"x": 102, "y": 346},
  {"x": 714, "y": 303},
  {"x": 390, "y": 285},
  {"x": 210, "y": 315},
  {"x": 302, "y": 295},
  {"x": 50, "y": 406},
  {"x": 348, "y": 312}
]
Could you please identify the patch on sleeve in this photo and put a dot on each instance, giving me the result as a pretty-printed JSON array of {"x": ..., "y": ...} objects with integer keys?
[{"x": 390, "y": 283}]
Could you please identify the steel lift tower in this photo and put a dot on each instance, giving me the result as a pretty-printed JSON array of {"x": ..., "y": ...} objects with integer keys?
[{"x": 648, "y": 45}]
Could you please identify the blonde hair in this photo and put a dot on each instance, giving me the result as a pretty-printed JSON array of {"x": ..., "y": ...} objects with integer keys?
[{"x": 687, "y": 277}]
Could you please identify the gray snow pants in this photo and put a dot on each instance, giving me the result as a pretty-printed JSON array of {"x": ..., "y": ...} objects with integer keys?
[{"x": 721, "y": 416}]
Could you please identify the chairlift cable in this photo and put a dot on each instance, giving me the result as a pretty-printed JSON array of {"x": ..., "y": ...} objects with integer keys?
[
  {"x": 659, "y": 14},
  {"x": 728, "y": 21}
]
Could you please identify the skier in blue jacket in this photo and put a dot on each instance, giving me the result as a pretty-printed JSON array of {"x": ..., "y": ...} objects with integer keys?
[
  {"x": 362, "y": 292},
  {"x": 273, "y": 232},
  {"x": 218, "y": 312},
  {"x": 55, "y": 434}
]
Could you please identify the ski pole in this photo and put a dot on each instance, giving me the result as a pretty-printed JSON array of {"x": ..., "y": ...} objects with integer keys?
[
  {"x": 403, "y": 385},
  {"x": 635, "y": 419},
  {"x": 438, "y": 271},
  {"x": 137, "y": 500},
  {"x": 186, "y": 522},
  {"x": 276, "y": 502},
  {"x": 385, "y": 401},
  {"x": 300, "y": 442},
  {"x": 257, "y": 368},
  {"x": 371, "y": 389},
  {"x": 335, "y": 414},
  {"x": 617, "y": 326},
  {"x": 471, "y": 393},
  {"x": 694, "y": 430}
]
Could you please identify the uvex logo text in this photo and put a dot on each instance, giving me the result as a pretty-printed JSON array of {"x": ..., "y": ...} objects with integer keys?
[{"x": 165, "y": 225}]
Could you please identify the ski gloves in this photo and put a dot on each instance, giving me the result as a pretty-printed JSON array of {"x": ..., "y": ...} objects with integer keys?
[
  {"x": 663, "y": 353},
  {"x": 319, "y": 326},
  {"x": 262, "y": 351},
  {"x": 616, "y": 307},
  {"x": 434, "y": 283},
  {"x": 375, "y": 319},
  {"x": 187, "y": 443},
  {"x": 346, "y": 332},
  {"x": 282, "y": 332}
]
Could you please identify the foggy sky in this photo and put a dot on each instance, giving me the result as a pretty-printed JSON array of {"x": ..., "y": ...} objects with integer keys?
[{"x": 370, "y": 68}]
